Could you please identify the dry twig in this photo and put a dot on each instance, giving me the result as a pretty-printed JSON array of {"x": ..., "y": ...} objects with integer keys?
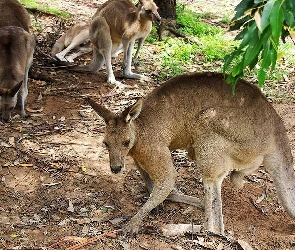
[{"x": 112, "y": 234}]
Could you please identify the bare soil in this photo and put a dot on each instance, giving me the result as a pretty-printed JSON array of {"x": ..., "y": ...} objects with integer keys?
[{"x": 57, "y": 190}]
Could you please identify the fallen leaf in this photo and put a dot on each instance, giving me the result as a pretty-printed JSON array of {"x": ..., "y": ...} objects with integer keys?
[
  {"x": 25, "y": 165},
  {"x": 260, "y": 199},
  {"x": 11, "y": 141},
  {"x": 34, "y": 110},
  {"x": 71, "y": 207},
  {"x": 83, "y": 168},
  {"x": 14, "y": 235}
]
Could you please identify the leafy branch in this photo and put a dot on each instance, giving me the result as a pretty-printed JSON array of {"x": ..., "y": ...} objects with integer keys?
[{"x": 262, "y": 24}]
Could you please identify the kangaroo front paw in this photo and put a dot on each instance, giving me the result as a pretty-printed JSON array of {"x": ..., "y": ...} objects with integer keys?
[{"x": 132, "y": 228}]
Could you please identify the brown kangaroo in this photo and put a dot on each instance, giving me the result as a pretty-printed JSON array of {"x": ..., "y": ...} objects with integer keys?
[
  {"x": 118, "y": 24},
  {"x": 71, "y": 39},
  {"x": 14, "y": 14},
  {"x": 224, "y": 133},
  {"x": 16, "y": 56}
]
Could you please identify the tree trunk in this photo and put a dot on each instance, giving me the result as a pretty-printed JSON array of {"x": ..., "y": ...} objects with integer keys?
[
  {"x": 167, "y": 8},
  {"x": 167, "y": 11}
]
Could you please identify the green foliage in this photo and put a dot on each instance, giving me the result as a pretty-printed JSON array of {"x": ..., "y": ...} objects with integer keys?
[
  {"x": 204, "y": 40},
  {"x": 176, "y": 55},
  {"x": 34, "y": 4},
  {"x": 191, "y": 23},
  {"x": 152, "y": 36},
  {"x": 215, "y": 47},
  {"x": 262, "y": 23}
]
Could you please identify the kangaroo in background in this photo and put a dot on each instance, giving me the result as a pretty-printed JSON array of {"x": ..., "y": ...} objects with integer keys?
[
  {"x": 223, "y": 133},
  {"x": 73, "y": 39},
  {"x": 75, "y": 36},
  {"x": 14, "y": 14},
  {"x": 116, "y": 25},
  {"x": 16, "y": 56}
]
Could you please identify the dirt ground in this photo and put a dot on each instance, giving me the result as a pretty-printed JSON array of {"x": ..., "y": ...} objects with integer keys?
[{"x": 57, "y": 190}]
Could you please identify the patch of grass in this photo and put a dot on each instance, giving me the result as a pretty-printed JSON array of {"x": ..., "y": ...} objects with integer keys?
[
  {"x": 34, "y": 4},
  {"x": 205, "y": 43},
  {"x": 215, "y": 47},
  {"x": 153, "y": 36},
  {"x": 176, "y": 56},
  {"x": 192, "y": 23}
]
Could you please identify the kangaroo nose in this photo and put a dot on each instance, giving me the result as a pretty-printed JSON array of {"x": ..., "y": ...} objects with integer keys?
[
  {"x": 116, "y": 169},
  {"x": 158, "y": 18}
]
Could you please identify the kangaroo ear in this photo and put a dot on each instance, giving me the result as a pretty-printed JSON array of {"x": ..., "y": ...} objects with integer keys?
[
  {"x": 132, "y": 112},
  {"x": 106, "y": 114},
  {"x": 15, "y": 89},
  {"x": 10, "y": 92}
]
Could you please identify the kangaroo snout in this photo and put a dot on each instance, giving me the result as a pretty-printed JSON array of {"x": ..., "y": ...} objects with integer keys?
[
  {"x": 156, "y": 18},
  {"x": 116, "y": 169},
  {"x": 6, "y": 118}
]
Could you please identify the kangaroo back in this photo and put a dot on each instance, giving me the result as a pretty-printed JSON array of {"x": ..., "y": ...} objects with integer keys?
[
  {"x": 14, "y": 14},
  {"x": 223, "y": 132}
]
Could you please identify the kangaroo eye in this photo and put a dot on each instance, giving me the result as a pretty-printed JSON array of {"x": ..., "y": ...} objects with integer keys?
[
  {"x": 126, "y": 143},
  {"x": 105, "y": 144}
]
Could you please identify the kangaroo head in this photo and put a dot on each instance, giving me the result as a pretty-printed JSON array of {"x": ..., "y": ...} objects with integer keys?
[
  {"x": 8, "y": 100},
  {"x": 149, "y": 10},
  {"x": 120, "y": 134}
]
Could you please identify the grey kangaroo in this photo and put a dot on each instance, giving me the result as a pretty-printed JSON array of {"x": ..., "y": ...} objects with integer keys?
[
  {"x": 118, "y": 24},
  {"x": 16, "y": 56},
  {"x": 224, "y": 133},
  {"x": 72, "y": 38}
]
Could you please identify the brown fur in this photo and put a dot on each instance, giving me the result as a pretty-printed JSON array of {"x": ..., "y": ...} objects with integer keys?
[
  {"x": 16, "y": 56},
  {"x": 14, "y": 14},
  {"x": 116, "y": 25},
  {"x": 223, "y": 133},
  {"x": 71, "y": 39}
]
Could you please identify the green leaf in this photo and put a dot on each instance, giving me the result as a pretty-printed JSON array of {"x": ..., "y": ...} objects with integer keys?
[
  {"x": 289, "y": 13},
  {"x": 237, "y": 24},
  {"x": 237, "y": 70},
  {"x": 259, "y": 1},
  {"x": 253, "y": 62},
  {"x": 266, "y": 14},
  {"x": 273, "y": 56},
  {"x": 228, "y": 60},
  {"x": 261, "y": 77},
  {"x": 276, "y": 21},
  {"x": 266, "y": 56},
  {"x": 242, "y": 7},
  {"x": 253, "y": 48},
  {"x": 248, "y": 36}
]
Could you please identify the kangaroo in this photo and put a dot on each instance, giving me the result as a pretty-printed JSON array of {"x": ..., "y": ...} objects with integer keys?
[
  {"x": 116, "y": 25},
  {"x": 14, "y": 14},
  {"x": 74, "y": 37},
  {"x": 224, "y": 133},
  {"x": 16, "y": 56}
]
